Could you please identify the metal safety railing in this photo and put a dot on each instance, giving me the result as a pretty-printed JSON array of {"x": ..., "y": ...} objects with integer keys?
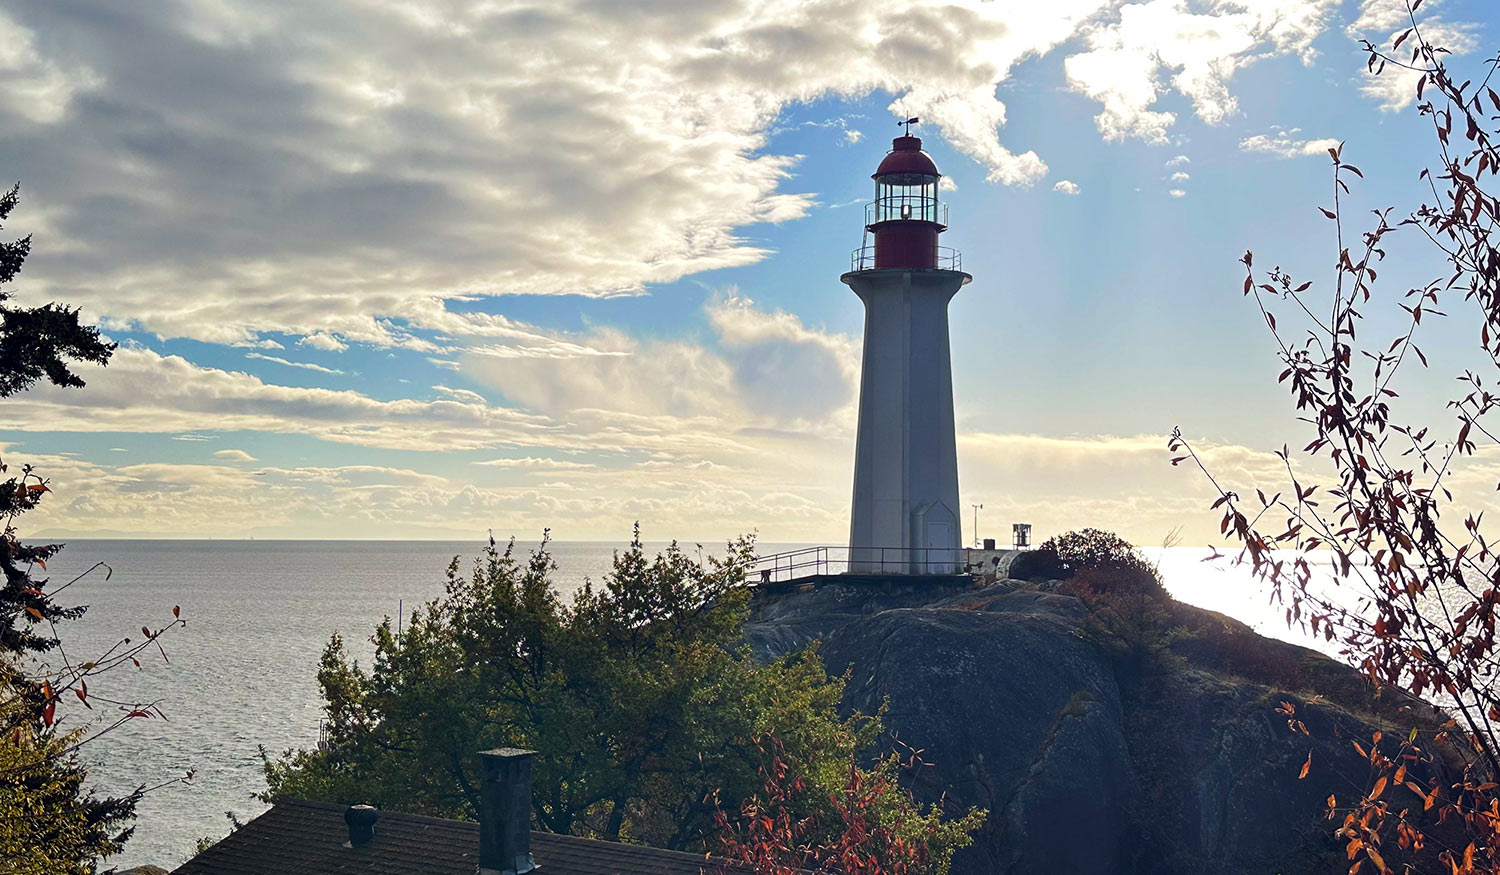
[
  {"x": 946, "y": 258},
  {"x": 819, "y": 561}
]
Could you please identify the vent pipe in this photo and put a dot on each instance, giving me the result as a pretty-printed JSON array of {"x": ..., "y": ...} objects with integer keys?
[{"x": 361, "y": 820}]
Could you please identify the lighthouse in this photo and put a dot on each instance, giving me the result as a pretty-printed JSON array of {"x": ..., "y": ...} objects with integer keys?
[{"x": 905, "y": 515}]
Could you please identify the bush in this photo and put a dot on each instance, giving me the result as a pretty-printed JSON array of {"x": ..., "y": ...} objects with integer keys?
[
  {"x": 1132, "y": 620},
  {"x": 1063, "y": 556}
]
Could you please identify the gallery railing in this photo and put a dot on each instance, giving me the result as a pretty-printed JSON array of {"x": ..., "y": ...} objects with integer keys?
[{"x": 947, "y": 258}]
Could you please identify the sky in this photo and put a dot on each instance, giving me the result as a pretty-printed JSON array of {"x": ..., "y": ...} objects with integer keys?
[{"x": 429, "y": 268}]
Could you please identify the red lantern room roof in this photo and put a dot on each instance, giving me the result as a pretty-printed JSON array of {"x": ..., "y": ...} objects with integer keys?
[{"x": 906, "y": 158}]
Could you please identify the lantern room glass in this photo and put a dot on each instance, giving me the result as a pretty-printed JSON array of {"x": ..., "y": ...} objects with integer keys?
[{"x": 908, "y": 197}]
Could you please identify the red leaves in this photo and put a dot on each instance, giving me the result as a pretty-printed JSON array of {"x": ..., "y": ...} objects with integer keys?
[{"x": 1305, "y": 766}]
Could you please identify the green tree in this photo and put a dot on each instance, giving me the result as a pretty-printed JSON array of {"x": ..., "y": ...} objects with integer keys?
[
  {"x": 50, "y": 824},
  {"x": 39, "y": 342},
  {"x": 638, "y": 696}
]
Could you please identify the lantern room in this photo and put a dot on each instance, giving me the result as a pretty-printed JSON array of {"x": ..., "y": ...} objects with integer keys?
[{"x": 906, "y": 216}]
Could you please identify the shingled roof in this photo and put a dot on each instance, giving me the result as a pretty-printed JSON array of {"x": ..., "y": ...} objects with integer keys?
[{"x": 309, "y": 838}]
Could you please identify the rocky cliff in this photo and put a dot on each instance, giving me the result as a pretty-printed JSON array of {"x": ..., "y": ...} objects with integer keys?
[{"x": 1087, "y": 762}]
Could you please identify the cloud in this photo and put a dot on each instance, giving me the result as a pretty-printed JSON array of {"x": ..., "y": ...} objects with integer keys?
[
  {"x": 461, "y": 395},
  {"x": 408, "y": 137},
  {"x": 1385, "y": 16},
  {"x": 1066, "y": 187},
  {"x": 533, "y": 463},
  {"x": 1179, "y": 176},
  {"x": 306, "y": 366},
  {"x": 1382, "y": 22},
  {"x": 1177, "y": 192},
  {"x": 234, "y": 456},
  {"x": 1200, "y": 52},
  {"x": 768, "y": 369},
  {"x": 143, "y": 391},
  {"x": 37, "y": 89},
  {"x": 1283, "y": 144},
  {"x": 1055, "y": 483},
  {"x": 323, "y": 340},
  {"x": 1179, "y": 161}
]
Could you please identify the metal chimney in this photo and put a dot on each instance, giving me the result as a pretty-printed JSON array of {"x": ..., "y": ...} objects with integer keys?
[
  {"x": 505, "y": 812},
  {"x": 361, "y": 821}
]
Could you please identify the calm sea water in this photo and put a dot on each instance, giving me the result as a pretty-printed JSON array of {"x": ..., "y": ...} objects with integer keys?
[{"x": 242, "y": 674}]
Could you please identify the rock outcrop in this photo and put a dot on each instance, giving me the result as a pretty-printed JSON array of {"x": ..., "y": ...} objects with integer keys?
[{"x": 1084, "y": 765}]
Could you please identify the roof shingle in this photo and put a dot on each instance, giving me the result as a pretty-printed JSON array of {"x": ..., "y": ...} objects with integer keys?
[{"x": 308, "y": 838}]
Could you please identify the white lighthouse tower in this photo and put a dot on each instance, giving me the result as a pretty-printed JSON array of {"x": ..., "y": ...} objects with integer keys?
[{"x": 905, "y": 515}]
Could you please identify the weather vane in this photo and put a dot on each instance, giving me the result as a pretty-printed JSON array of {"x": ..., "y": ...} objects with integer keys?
[{"x": 908, "y": 123}]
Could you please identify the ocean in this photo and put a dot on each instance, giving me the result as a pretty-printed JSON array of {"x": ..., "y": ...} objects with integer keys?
[{"x": 242, "y": 674}]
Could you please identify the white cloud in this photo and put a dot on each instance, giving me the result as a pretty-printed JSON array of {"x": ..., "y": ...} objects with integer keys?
[
  {"x": 852, "y": 136},
  {"x": 1385, "y": 15},
  {"x": 533, "y": 463},
  {"x": 144, "y": 392},
  {"x": 306, "y": 366},
  {"x": 1066, "y": 187},
  {"x": 1177, "y": 192},
  {"x": 1200, "y": 52},
  {"x": 1283, "y": 144},
  {"x": 1395, "y": 87},
  {"x": 771, "y": 379},
  {"x": 33, "y": 87},
  {"x": 1179, "y": 176},
  {"x": 235, "y": 456},
  {"x": 946, "y": 183},
  {"x": 463, "y": 395},
  {"x": 408, "y": 135},
  {"x": 323, "y": 340},
  {"x": 1053, "y": 482},
  {"x": 768, "y": 370},
  {"x": 1179, "y": 161}
]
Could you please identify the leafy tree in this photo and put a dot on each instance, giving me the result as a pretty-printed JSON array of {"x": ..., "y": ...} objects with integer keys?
[
  {"x": 49, "y": 821},
  {"x": 1415, "y": 574},
  {"x": 638, "y": 696}
]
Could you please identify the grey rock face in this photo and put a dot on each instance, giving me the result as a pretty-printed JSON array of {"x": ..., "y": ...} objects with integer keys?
[{"x": 1016, "y": 712}]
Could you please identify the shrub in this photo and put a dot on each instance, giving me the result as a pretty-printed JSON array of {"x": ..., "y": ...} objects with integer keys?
[
  {"x": 1063, "y": 556},
  {"x": 1129, "y": 614}
]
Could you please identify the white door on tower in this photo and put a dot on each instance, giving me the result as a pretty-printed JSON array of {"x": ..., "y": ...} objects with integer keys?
[{"x": 941, "y": 556}]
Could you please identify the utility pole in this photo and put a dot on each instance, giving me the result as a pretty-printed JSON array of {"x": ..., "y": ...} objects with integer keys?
[{"x": 977, "y": 509}]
